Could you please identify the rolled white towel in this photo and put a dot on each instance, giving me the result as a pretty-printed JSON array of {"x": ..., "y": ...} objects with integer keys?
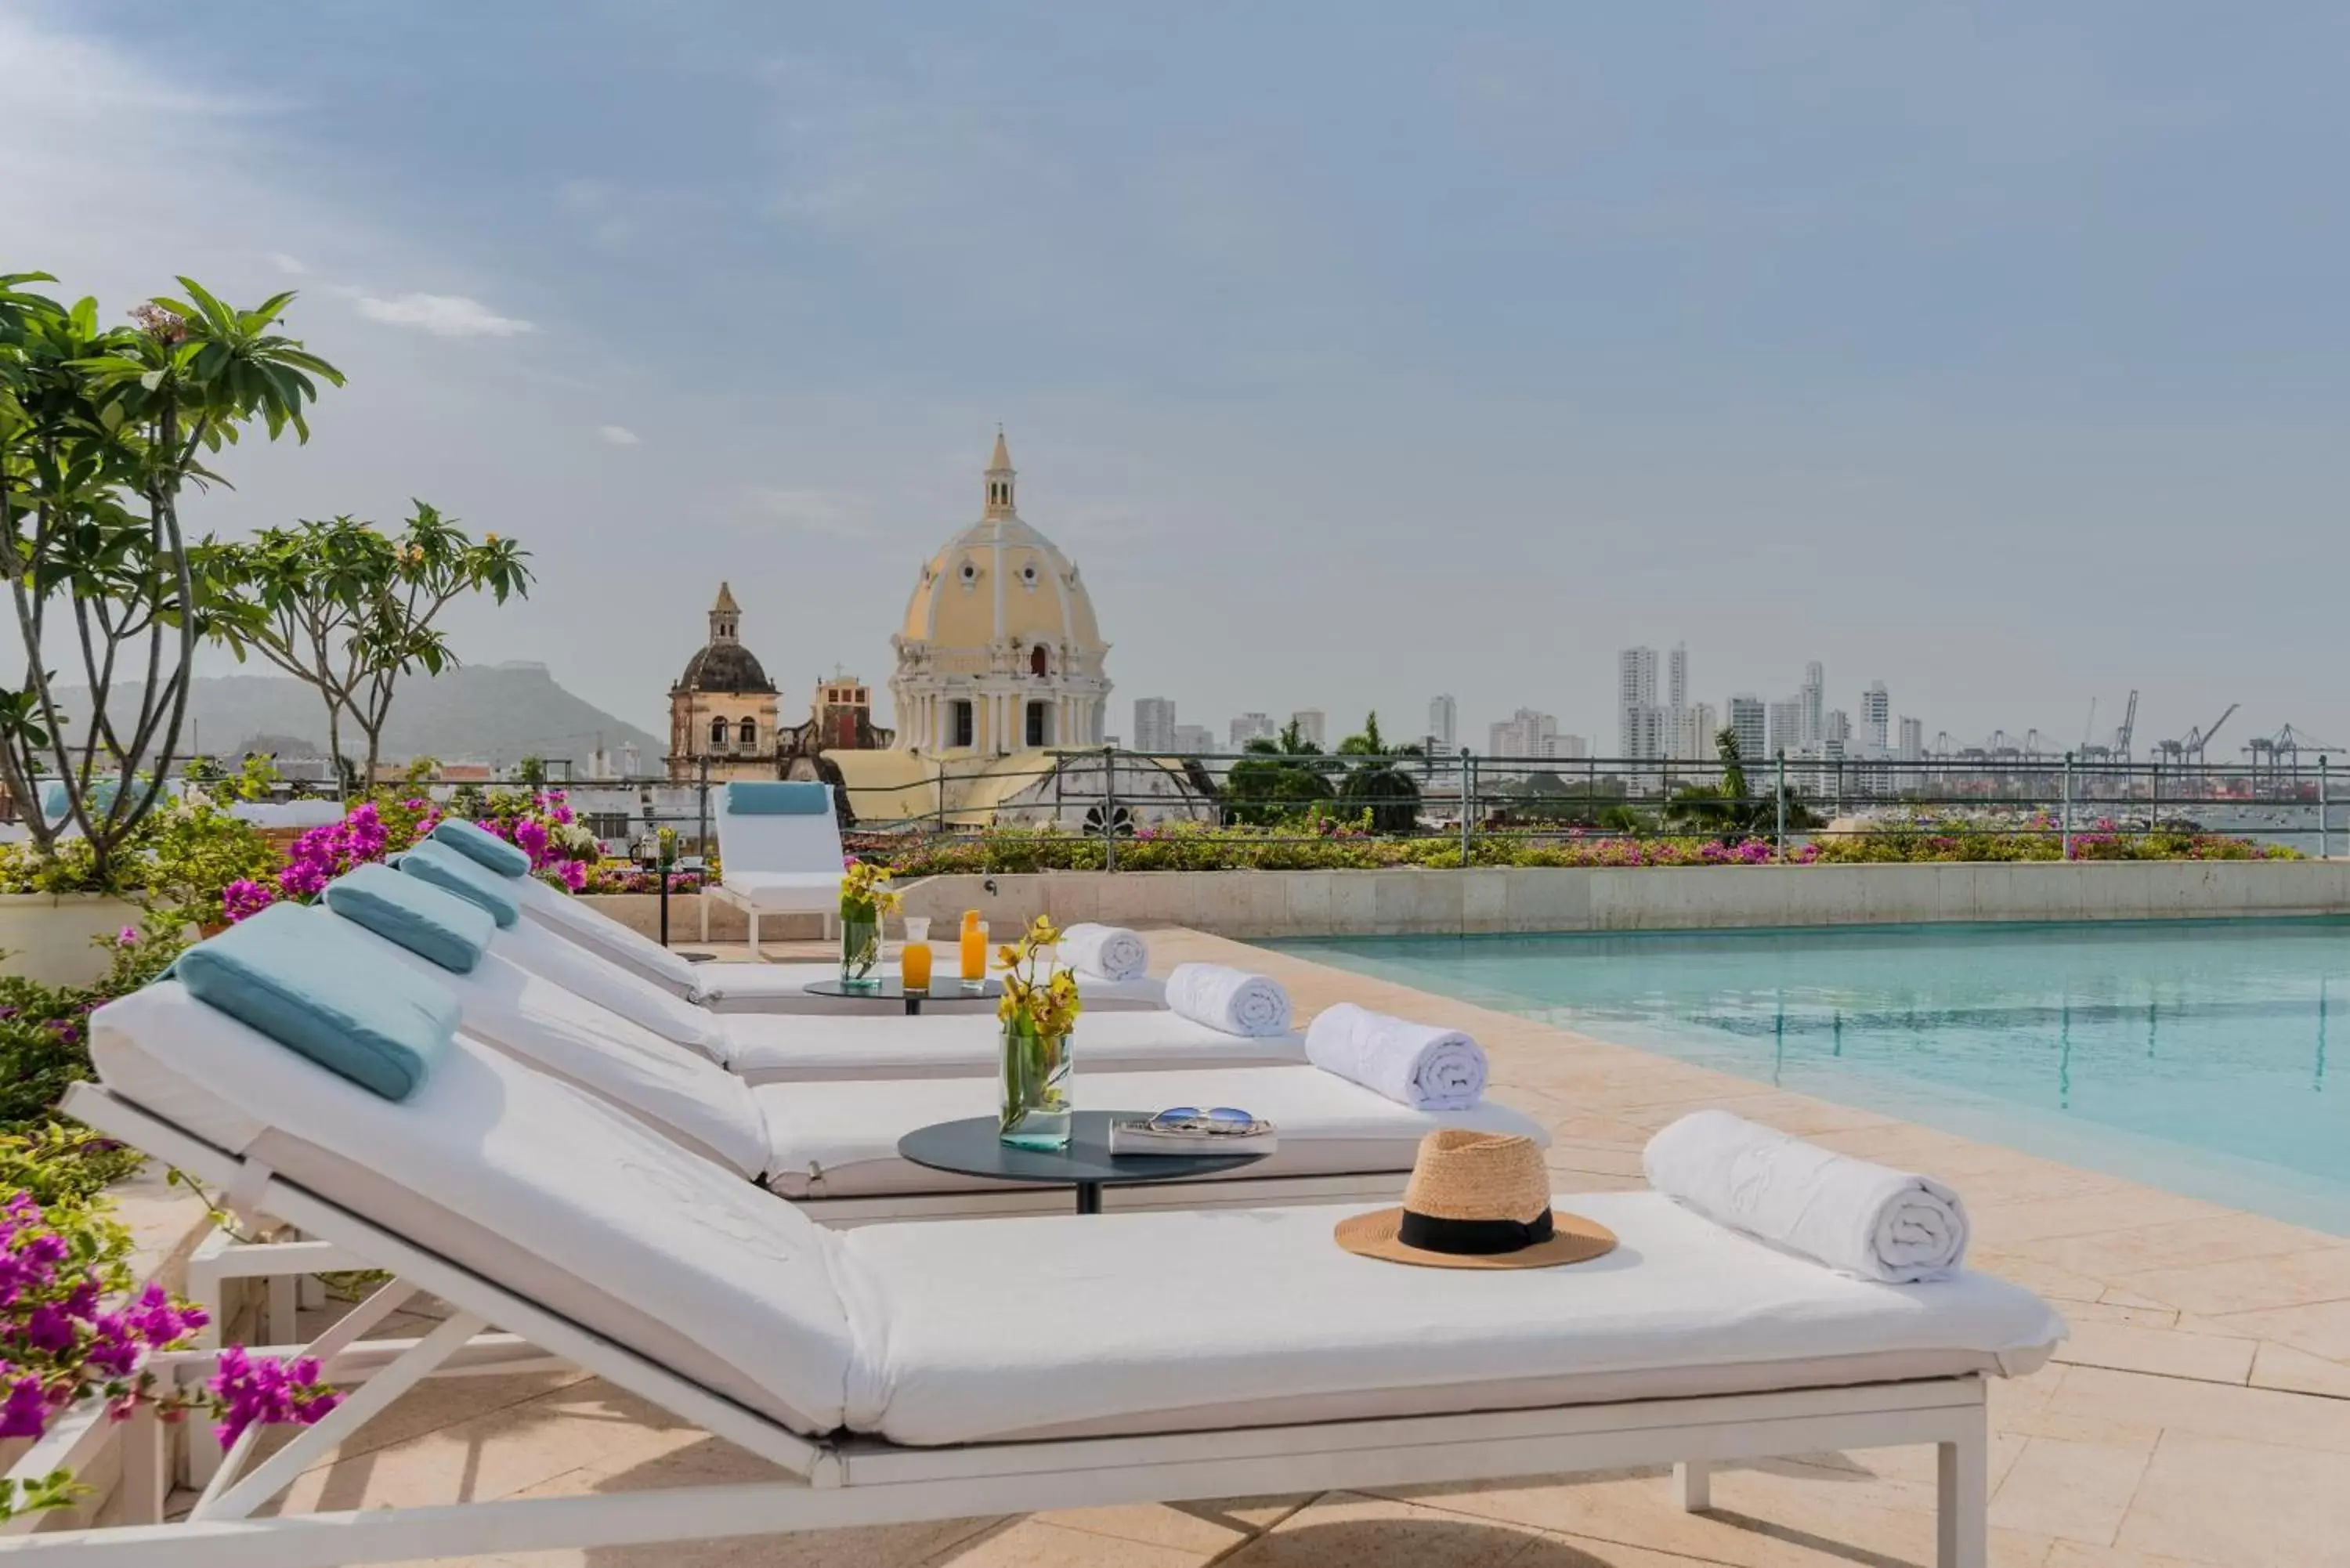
[
  {"x": 1112, "y": 952},
  {"x": 1231, "y": 1000},
  {"x": 1859, "y": 1219},
  {"x": 1414, "y": 1064}
]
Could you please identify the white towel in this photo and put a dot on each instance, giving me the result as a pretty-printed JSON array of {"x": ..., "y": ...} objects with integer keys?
[
  {"x": 1231, "y": 1000},
  {"x": 1858, "y": 1219},
  {"x": 1112, "y": 952},
  {"x": 1414, "y": 1064}
]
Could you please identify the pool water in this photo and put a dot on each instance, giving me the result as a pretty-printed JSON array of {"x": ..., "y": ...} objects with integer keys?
[{"x": 2191, "y": 1055}]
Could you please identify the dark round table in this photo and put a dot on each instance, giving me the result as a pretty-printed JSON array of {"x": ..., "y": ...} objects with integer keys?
[
  {"x": 890, "y": 989},
  {"x": 971, "y": 1148}
]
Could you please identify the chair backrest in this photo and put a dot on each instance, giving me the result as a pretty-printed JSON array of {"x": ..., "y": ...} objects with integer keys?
[
  {"x": 573, "y": 921},
  {"x": 777, "y": 841},
  {"x": 530, "y": 1184}
]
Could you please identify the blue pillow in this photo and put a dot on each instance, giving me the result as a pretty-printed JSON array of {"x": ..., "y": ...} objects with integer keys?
[
  {"x": 453, "y": 932},
  {"x": 480, "y": 845},
  {"x": 322, "y": 991},
  {"x": 468, "y": 878},
  {"x": 749, "y": 799}
]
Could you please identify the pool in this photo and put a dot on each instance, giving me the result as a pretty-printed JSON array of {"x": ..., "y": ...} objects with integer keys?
[{"x": 2190, "y": 1054}]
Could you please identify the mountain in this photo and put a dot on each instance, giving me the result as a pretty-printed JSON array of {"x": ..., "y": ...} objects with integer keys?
[{"x": 475, "y": 713}]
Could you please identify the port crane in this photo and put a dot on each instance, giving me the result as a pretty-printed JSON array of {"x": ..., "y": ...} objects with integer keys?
[
  {"x": 2118, "y": 749},
  {"x": 2277, "y": 757},
  {"x": 2189, "y": 752}
]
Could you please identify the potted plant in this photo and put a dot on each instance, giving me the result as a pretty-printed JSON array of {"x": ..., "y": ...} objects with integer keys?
[
  {"x": 1038, "y": 1012},
  {"x": 865, "y": 897}
]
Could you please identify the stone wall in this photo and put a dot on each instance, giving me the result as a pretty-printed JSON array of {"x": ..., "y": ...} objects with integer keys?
[{"x": 1528, "y": 898}]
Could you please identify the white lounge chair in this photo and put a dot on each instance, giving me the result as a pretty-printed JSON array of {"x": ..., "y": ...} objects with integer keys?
[
  {"x": 903, "y": 1372},
  {"x": 780, "y": 1047},
  {"x": 757, "y": 987},
  {"x": 776, "y": 859}
]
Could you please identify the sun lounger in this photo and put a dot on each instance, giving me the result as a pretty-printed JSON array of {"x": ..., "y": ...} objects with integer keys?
[
  {"x": 904, "y": 1373},
  {"x": 774, "y": 857},
  {"x": 723, "y": 987}
]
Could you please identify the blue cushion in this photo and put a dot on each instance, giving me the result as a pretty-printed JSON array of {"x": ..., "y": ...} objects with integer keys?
[
  {"x": 480, "y": 845},
  {"x": 453, "y": 932},
  {"x": 468, "y": 878},
  {"x": 749, "y": 799},
  {"x": 323, "y": 992}
]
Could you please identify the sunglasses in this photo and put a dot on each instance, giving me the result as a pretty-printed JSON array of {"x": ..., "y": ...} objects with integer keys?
[{"x": 1192, "y": 1118}]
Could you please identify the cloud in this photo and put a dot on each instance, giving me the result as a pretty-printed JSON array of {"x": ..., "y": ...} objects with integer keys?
[
  {"x": 290, "y": 265},
  {"x": 838, "y": 513},
  {"x": 443, "y": 315},
  {"x": 616, "y": 435}
]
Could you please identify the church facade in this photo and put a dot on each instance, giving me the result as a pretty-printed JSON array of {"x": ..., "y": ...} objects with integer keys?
[{"x": 723, "y": 708}]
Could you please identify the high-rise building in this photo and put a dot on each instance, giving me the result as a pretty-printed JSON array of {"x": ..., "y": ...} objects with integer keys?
[
  {"x": 1566, "y": 748},
  {"x": 1525, "y": 734},
  {"x": 1312, "y": 723},
  {"x": 1815, "y": 699},
  {"x": 1677, "y": 678},
  {"x": 1253, "y": 727},
  {"x": 1637, "y": 733},
  {"x": 1876, "y": 718},
  {"x": 1694, "y": 733},
  {"x": 1193, "y": 741},
  {"x": 1749, "y": 721},
  {"x": 1154, "y": 724},
  {"x": 1836, "y": 729},
  {"x": 1443, "y": 722},
  {"x": 1785, "y": 731},
  {"x": 1911, "y": 745}
]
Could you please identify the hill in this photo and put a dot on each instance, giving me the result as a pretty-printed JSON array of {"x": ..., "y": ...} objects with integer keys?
[{"x": 485, "y": 712}]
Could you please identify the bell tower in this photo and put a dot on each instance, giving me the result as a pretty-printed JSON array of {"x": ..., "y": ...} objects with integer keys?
[{"x": 1000, "y": 475}]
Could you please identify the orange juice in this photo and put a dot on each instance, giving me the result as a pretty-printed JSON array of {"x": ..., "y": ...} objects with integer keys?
[
  {"x": 914, "y": 966},
  {"x": 974, "y": 951}
]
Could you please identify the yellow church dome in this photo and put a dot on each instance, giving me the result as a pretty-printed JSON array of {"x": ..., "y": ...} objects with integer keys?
[{"x": 1000, "y": 580}]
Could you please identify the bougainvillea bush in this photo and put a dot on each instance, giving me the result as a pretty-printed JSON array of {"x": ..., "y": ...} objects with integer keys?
[
  {"x": 540, "y": 823},
  {"x": 73, "y": 1328}
]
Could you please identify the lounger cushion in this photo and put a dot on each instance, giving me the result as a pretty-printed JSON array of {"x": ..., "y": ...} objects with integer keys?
[
  {"x": 468, "y": 878},
  {"x": 783, "y": 988},
  {"x": 540, "y": 949},
  {"x": 1150, "y": 1321},
  {"x": 323, "y": 989},
  {"x": 573, "y": 919},
  {"x": 452, "y": 931},
  {"x": 746, "y": 799},
  {"x": 792, "y": 1048},
  {"x": 841, "y": 1139},
  {"x": 782, "y": 892},
  {"x": 532, "y": 1185},
  {"x": 687, "y": 1097},
  {"x": 482, "y": 847}
]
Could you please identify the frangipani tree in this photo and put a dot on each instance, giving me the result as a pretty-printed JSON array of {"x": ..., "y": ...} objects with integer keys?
[
  {"x": 350, "y": 609},
  {"x": 102, "y": 429}
]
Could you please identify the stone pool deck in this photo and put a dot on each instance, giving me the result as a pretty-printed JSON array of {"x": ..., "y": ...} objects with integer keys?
[{"x": 2200, "y": 1414}]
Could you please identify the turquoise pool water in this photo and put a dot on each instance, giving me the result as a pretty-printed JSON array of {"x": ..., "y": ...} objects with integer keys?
[{"x": 2190, "y": 1054}]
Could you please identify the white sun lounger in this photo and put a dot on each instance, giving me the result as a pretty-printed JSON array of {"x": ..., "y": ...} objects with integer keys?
[
  {"x": 905, "y": 1373},
  {"x": 780, "y": 864},
  {"x": 724, "y": 987}
]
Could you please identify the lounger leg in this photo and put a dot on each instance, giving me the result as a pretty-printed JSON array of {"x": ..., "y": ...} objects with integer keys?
[
  {"x": 755, "y": 935},
  {"x": 1695, "y": 1479},
  {"x": 1962, "y": 1505}
]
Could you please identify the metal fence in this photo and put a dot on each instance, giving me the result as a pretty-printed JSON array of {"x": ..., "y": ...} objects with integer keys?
[{"x": 1112, "y": 793}]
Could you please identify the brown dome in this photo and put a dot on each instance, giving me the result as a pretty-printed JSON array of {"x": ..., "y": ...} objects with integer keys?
[{"x": 725, "y": 667}]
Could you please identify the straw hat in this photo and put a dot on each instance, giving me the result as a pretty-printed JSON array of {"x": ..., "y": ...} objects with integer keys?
[{"x": 1476, "y": 1200}]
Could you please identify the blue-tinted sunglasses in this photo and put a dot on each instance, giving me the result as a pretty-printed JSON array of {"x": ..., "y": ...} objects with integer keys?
[{"x": 1182, "y": 1117}]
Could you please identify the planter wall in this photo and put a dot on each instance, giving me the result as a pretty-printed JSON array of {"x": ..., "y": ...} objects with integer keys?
[
  {"x": 641, "y": 912},
  {"x": 1559, "y": 899},
  {"x": 47, "y": 936}
]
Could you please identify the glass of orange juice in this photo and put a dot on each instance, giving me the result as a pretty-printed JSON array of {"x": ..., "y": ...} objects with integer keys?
[
  {"x": 974, "y": 955},
  {"x": 914, "y": 960}
]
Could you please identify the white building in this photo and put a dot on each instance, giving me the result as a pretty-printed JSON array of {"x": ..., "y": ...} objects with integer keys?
[
  {"x": 999, "y": 651},
  {"x": 1253, "y": 727},
  {"x": 1313, "y": 725},
  {"x": 1749, "y": 721},
  {"x": 1525, "y": 734},
  {"x": 1693, "y": 732},
  {"x": 1154, "y": 723},
  {"x": 1443, "y": 722},
  {"x": 1815, "y": 699},
  {"x": 1785, "y": 728},
  {"x": 1638, "y": 726},
  {"x": 1570, "y": 748},
  {"x": 1193, "y": 741},
  {"x": 1876, "y": 719},
  {"x": 1677, "y": 678},
  {"x": 1911, "y": 745}
]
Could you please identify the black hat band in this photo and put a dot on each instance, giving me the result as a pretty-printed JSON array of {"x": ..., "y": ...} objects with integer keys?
[{"x": 1472, "y": 1238}]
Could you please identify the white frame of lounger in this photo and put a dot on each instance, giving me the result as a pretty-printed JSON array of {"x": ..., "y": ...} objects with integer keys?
[{"x": 856, "y": 1481}]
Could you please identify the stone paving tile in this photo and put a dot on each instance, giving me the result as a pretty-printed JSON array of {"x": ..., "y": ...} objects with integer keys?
[
  {"x": 2182, "y": 1244},
  {"x": 2227, "y": 1501},
  {"x": 2068, "y": 1490},
  {"x": 2321, "y": 1328},
  {"x": 2130, "y": 1348},
  {"x": 2251, "y": 1284},
  {"x": 2281, "y": 1366}
]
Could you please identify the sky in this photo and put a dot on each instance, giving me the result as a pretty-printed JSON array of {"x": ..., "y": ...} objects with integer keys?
[{"x": 1356, "y": 352}]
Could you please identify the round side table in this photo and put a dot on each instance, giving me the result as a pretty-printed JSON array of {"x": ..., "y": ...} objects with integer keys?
[{"x": 971, "y": 1148}]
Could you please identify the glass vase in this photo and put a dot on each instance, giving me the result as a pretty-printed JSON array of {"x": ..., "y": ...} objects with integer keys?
[
  {"x": 1036, "y": 1111},
  {"x": 861, "y": 951}
]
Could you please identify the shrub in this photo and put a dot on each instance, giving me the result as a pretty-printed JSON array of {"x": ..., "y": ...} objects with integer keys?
[{"x": 44, "y": 1029}]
